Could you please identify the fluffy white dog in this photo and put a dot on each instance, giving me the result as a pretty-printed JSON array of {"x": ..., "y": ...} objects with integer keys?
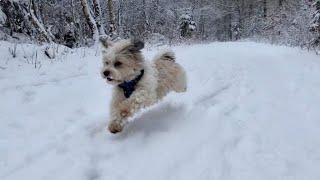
[{"x": 137, "y": 83}]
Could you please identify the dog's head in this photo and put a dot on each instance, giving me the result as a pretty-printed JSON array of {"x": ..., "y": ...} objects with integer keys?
[{"x": 122, "y": 60}]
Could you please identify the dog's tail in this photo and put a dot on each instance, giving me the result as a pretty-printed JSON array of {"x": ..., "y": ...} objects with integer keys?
[{"x": 165, "y": 55}]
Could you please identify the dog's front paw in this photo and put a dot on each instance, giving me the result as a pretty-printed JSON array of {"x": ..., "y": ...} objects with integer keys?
[{"x": 115, "y": 127}]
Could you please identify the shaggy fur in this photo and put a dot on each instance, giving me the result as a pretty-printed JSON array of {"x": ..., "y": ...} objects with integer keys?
[{"x": 123, "y": 61}]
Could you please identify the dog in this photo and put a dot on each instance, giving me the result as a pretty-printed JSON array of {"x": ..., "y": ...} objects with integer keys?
[{"x": 137, "y": 83}]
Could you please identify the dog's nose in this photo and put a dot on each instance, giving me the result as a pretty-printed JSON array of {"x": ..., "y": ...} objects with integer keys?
[{"x": 106, "y": 73}]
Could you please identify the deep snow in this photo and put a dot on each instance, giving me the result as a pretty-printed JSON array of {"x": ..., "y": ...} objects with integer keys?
[{"x": 251, "y": 112}]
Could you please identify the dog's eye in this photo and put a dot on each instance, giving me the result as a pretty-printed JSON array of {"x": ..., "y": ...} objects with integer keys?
[
  {"x": 106, "y": 63},
  {"x": 117, "y": 64}
]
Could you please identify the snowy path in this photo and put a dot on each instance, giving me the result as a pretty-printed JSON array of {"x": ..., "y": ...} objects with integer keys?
[{"x": 251, "y": 112}]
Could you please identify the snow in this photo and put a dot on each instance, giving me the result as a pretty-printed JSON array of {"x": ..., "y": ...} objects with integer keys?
[
  {"x": 192, "y": 26},
  {"x": 185, "y": 17},
  {"x": 251, "y": 112}
]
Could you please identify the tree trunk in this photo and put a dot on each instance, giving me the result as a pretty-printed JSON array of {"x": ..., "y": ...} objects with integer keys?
[
  {"x": 90, "y": 20},
  {"x": 78, "y": 29},
  {"x": 250, "y": 10},
  {"x": 39, "y": 26},
  {"x": 144, "y": 14},
  {"x": 120, "y": 28},
  {"x": 240, "y": 10},
  {"x": 112, "y": 20},
  {"x": 36, "y": 10},
  {"x": 280, "y": 3},
  {"x": 98, "y": 18},
  {"x": 229, "y": 19},
  {"x": 265, "y": 8}
]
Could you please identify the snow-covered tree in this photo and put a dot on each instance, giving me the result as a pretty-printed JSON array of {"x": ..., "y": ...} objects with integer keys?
[
  {"x": 315, "y": 23},
  {"x": 70, "y": 35},
  {"x": 3, "y": 17},
  {"x": 90, "y": 20},
  {"x": 77, "y": 22},
  {"x": 98, "y": 16},
  {"x": 187, "y": 25},
  {"x": 14, "y": 16},
  {"x": 37, "y": 22},
  {"x": 112, "y": 20}
]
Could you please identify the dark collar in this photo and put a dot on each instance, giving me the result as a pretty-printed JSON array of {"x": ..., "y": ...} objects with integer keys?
[{"x": 128, "y": 86}]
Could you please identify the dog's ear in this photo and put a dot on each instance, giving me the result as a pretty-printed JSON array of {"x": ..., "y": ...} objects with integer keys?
[
  {"x": 135, "y": 46},
  {"x": 138, "y": 44},
  {"x": 105, "y": 41}
]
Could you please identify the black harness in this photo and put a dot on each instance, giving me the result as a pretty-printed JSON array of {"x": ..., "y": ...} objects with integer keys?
[{"x": 128, "y": 86}]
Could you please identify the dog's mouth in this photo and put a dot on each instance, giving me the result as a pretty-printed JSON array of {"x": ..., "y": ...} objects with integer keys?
[{"x": 112, "y": 80}]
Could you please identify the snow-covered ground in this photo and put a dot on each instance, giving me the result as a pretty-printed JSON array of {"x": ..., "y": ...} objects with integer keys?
[{"x": 251, "y": 112}]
